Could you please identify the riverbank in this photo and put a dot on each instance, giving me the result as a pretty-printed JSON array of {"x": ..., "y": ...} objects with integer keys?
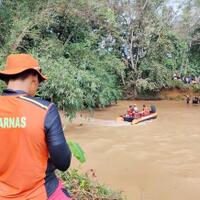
[
  {"x": 171, "y": 94},
  {"x": 177, "y": 94},
  {"x": 86, "y": 187}
]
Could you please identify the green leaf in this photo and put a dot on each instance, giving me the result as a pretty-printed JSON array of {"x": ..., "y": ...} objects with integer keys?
[{"x": 77, "y": 151}]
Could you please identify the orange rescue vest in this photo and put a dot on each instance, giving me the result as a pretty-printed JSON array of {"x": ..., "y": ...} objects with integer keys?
[{"x": 23, "y": 150}]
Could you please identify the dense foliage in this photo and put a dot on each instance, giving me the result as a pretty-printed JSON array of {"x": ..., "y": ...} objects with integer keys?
[
  {"x": 81, "y": 75},
  {"x": 92, "y": 51}
]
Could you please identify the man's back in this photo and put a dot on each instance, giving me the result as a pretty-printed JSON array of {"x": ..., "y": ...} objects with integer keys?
[
  {"x": 23, "y": 148},
  {"x": 32, "y": 141}
]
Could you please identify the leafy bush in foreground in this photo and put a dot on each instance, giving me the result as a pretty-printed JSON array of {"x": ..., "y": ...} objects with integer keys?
[{"x": 84, "y": 188}]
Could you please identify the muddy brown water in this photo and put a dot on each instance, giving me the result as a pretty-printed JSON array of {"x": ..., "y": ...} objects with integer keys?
[{"x": 154, "y": 160}]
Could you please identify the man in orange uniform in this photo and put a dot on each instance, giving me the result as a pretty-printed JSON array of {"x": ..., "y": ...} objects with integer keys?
[{"x": 32, "y": 143}]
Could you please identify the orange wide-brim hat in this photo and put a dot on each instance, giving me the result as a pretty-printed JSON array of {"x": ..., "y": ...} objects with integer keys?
[{"x": 18, "y": 63}]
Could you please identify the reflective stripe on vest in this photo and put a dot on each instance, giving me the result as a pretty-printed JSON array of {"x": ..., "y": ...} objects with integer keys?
[{"x": 23, "y": 149}]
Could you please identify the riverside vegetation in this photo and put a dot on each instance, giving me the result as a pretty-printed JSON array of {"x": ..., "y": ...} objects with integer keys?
[{"x": 96, "y": 52}]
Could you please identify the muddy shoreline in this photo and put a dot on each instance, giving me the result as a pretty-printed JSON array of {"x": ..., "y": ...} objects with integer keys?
[{"x": 167, "y": 94}]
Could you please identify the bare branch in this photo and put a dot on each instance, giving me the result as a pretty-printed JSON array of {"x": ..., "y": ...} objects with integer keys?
[
  {"x": 131, "y": 51},
  {"x": 145, "y": 4},
  {"x": 20, "y": 38}
]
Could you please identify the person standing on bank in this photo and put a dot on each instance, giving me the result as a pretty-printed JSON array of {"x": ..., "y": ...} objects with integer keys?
[
  {"x": 187, "y": 99},
  {"x": 32, "y": 142}
]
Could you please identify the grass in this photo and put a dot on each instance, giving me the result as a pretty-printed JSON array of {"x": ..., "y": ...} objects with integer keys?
[{"x": 84, "y": 187}]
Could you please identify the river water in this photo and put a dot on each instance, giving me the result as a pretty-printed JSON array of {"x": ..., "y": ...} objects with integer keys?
[{"x": 154, "y": 160}]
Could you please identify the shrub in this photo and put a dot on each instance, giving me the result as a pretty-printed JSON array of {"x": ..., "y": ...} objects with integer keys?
[
  {"x": 74, "y": 87},
  {"x": 195, "y": 87},
  {"x": 178, "y": 84},
  {"x": 146, "y": 87},
  {"x": 84, "y": 187}
]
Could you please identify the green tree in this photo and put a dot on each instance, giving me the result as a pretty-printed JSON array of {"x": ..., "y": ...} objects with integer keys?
[{"x": 66, "y": 38}]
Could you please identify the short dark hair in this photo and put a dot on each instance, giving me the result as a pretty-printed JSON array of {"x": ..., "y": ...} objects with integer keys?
[{"x": 22, "y": 76}]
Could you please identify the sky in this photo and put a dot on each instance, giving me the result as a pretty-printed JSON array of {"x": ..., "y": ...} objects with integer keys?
[{"x": 176, "y": 5}]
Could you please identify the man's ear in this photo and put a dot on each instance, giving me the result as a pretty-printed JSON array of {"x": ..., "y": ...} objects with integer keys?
[{"x": 34, "y": 78}]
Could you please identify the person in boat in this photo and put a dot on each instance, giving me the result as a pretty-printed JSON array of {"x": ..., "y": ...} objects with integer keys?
[
  {"x": 135, "y": 108},
  {"x": 129, "y": 115},
  {"x": 145, "y": 110},
  {"x": 32, "y": 142},
  {"x": 130, "y": 111},
  {"x": 136, "y": 113}
]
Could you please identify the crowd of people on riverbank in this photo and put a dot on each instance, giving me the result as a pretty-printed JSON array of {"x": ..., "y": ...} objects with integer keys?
[{"x": 186, "y": 79}]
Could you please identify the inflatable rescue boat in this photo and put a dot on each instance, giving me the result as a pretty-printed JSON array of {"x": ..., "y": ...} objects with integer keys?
[{"x": 139, "y": 117}]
